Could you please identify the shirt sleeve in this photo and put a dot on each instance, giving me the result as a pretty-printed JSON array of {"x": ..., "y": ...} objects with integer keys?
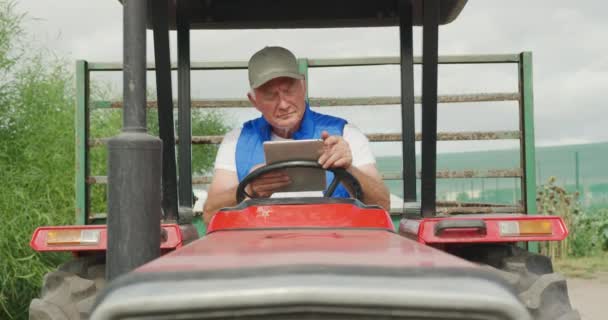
[
  {"x": 226, "y": 154},
  {"x": 359, "y": 146}
]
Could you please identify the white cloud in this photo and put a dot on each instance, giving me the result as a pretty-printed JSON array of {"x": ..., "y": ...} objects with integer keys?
[{"x": 567, "y": 40}]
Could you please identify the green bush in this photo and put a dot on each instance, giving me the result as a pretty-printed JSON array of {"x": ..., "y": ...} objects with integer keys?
[
  {"x": 589, "y": 233},
  {"x": 37, "y": 185},
  {"x": 588, "y": 228},
  {"x": 37, "y": 103},
  {"x": 36, "y": 189},
  {"x": 107, "y": 122}
]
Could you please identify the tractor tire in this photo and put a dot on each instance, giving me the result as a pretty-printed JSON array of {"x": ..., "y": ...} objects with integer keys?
[
  {"x": 543, "y": 291},
  {"x": 69, "y": 293}
]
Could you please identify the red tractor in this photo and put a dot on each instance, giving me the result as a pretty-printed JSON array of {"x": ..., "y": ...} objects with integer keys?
[{"x": 289, "y": 258}]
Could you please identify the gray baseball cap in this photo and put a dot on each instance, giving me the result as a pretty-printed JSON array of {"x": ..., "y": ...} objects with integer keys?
[{"x": 270, "y": 63}]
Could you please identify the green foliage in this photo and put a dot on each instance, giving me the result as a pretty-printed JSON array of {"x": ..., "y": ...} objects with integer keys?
[
  {"x": 556, "y": 200},
  {"x": 107, "y": 122},
  {"x": 35, "y": 109},
  {"x": 205, "y": 123},
  {"x": 589, "y": 233},
  {"x": 9, "y": 31},
  {"x": 37, "y": 103},
  {"x": 36, "y": 162},
  {"x": 588, "y": 229}
]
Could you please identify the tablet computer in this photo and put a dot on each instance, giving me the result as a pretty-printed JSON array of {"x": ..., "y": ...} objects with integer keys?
[{"x": 302, "y": 179}]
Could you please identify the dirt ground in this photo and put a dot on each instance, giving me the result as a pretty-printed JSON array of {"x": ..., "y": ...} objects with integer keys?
[{"x": 588, "y": 296}]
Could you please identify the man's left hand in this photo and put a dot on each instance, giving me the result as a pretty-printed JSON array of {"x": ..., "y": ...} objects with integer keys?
[{"x": 336, "y": 152}]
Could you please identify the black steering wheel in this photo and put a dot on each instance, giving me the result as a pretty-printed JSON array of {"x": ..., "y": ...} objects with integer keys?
[{"x": 340, "y": 175}]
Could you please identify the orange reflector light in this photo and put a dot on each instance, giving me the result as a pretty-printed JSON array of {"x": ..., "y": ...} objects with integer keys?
[
  {"x": 525, "y": 228},
  {"x": 73, "y": 237}
]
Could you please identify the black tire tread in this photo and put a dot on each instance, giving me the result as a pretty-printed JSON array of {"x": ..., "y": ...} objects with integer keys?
[
  {"x": 543, "y": 291},
  {"x": 69, "y": 292}
]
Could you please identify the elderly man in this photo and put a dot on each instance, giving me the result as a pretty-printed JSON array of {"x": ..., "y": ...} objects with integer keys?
[{"x": 278, "y": 92}]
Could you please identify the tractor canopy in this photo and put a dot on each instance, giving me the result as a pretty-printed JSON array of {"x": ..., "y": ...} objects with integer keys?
[{"x": 247, "y": 14}]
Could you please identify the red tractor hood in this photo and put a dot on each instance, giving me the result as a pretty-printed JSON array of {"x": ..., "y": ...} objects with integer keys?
[
  {"x": 307, "y": 261},
  {"x": 333, "y": 233},
  {"x": 275, "y": 248}
]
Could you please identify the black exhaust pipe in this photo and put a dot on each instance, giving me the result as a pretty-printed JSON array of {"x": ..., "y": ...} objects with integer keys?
[{"x": 134, "y": 161}]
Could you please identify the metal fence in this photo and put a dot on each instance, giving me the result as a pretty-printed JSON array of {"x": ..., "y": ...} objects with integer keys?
[{"x": 525, "y": 172}]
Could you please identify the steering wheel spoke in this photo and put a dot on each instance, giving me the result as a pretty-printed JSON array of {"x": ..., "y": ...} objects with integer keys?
[{"x": 332, "y": 187}]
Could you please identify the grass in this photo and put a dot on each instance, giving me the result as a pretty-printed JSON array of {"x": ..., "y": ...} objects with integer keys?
[{"x": 582, "y": 267}]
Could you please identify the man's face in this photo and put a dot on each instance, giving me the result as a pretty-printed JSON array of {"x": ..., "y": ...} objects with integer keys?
[{"x": 281, "y": 102}]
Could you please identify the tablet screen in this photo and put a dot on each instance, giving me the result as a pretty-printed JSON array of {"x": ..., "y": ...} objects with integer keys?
[{"x": 302, "y": 179}]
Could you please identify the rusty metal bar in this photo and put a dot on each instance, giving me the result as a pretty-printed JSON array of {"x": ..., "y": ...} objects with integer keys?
[
  {"x": 450, "y": 136},
  {"x": 443, "y": 203},
  {"x": 450, "y": 59},
  {"x": 466, "y": 174},
  {"x": 207, "y": 139},
  {"x": 327, "y": 62},
  {"x": 211, "y": 65},
  {"x": 441, "y": 174},
  {"x": 335, "y": 101},
  {"x": 375, "y": 137},
  {"x": 477, "y": 210}
]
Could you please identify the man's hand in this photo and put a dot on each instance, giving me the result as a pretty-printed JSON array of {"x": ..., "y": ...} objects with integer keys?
[
  {"x": 336, "y": 152},
  {"x": 267, "y": 184}
]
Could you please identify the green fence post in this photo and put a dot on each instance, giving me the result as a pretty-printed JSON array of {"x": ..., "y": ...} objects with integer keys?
[
  {"x": 526, "y": 126},
  {"x": 303, "y": 68},
  {"x": 82, "y": 137}
]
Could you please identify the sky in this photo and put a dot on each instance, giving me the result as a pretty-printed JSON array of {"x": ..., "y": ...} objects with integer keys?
[{"x": 567, "y": 39}]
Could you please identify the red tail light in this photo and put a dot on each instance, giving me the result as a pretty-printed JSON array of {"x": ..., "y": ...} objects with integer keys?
[
  {"x": 500, "y": 228},
  {"x": 90, "y": 238}
]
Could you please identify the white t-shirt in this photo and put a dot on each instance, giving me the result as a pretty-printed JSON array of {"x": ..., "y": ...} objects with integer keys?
[{"x": 358, "y": 142}]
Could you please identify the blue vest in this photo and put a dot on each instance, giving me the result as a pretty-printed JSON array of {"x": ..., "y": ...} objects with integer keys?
[{"x": 250, "y": 150}]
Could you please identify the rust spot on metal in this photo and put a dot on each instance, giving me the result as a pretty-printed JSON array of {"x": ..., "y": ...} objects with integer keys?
[
  {"x": 98, "y": 142},
  {"x": 206, "y": 139},
  {"x": 201, "y": 180},
  {"x": 97, "y": 180}
]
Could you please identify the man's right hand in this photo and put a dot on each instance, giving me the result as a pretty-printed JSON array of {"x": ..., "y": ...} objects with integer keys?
[{"x": 267, "y": 184}]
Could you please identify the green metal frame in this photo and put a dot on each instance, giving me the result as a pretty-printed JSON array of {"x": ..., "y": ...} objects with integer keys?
[
  {"x": 525, "y": 98},
  {"x": 82, "y": 139},
  {"x": 303, "y": 68},
  {"x": 528, "y": 147}
]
